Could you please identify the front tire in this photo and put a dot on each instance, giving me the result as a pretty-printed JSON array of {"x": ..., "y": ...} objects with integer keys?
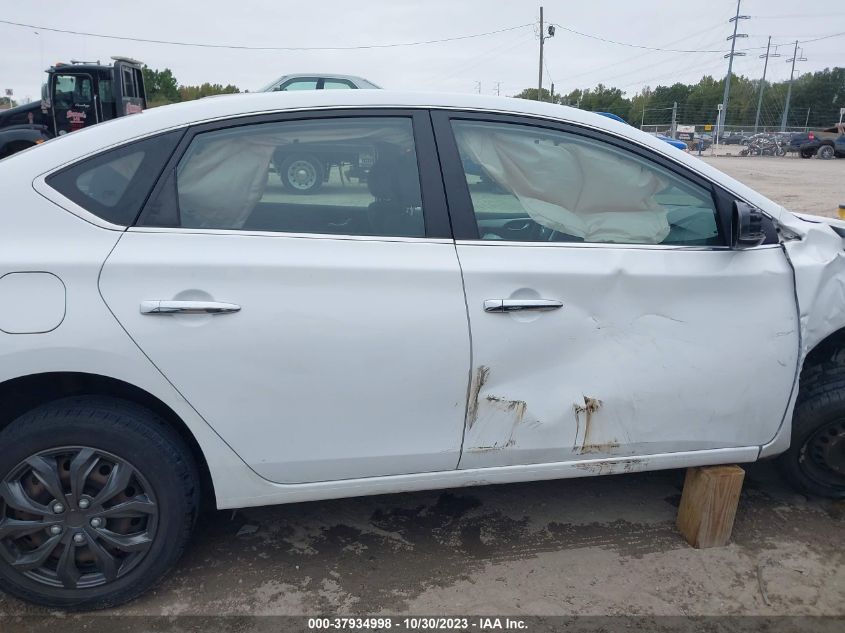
[
  {"x": 815, "y": 461},
  {"x": 98, "y": 498}
]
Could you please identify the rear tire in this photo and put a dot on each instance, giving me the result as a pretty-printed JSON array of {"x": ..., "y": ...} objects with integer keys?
[
  {"x": 815, "y": 461},
  {"x": 64, "y": 469},
  {"x": 826, "y": 152}
]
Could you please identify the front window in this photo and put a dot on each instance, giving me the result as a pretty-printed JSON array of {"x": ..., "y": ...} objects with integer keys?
[{"x": 534, "y": 184}]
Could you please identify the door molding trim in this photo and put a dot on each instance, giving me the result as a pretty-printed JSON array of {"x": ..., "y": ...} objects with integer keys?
[{"x": 292, "y": 493}]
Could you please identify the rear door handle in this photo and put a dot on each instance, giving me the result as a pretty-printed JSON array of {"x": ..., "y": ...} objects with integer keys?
[
  {"x": 520, "y": 305},
  {"x": 188, "y": 307}
]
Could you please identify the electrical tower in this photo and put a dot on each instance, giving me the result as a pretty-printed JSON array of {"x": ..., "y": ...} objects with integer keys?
[
  {"x": 796, "y": 57},
  {"x": 763, "y": 80},
  {"x": 730, "y": 57}
]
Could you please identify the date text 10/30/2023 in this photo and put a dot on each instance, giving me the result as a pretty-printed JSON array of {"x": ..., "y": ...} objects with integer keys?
[{"x": 418, "y": 624}]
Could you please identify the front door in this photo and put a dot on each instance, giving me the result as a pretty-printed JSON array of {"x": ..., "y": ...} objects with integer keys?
[
  {"x": 608, "y": 317},
  {"x": 322, "y": 334}
]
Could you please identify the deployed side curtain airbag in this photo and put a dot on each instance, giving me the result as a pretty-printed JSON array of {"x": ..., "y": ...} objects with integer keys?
[
  {"x": 569, "y": 186},
  {"x": 224, "y": 174}
]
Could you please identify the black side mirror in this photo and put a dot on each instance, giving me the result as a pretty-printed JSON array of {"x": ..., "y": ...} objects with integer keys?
[{"x": 746, "y": 226}]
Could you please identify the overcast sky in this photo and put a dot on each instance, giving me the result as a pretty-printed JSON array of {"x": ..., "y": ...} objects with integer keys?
[{"x": 508, "y": 57}]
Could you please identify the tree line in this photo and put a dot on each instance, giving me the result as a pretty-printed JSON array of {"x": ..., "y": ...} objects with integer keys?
[
  {"x": 163, "y": 88},
  {"x": 815, "y": 102}
]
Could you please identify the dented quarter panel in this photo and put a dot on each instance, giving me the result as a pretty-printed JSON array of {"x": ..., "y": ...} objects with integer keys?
[{"x": 655, "y": 350}]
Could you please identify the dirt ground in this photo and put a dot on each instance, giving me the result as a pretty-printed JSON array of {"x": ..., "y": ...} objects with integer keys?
[
  {"x": 802, "y": 185},
  {"x": 594, "y": 546}
]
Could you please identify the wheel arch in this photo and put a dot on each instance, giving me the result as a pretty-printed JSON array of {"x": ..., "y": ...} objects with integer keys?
[
  {"x": 832, "y": 347},
  {"x": 23, "y": 393}
]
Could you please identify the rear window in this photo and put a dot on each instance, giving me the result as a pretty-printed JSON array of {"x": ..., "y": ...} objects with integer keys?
[{"x": 114, "y": 185}]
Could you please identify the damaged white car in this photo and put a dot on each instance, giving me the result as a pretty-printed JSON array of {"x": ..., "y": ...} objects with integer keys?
[{"x": 480, "y": 290}]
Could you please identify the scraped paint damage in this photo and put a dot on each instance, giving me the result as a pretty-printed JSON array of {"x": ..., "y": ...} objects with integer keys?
[
  {"x": 589, "y": 442},
  {"x": 478, "y": 381}
]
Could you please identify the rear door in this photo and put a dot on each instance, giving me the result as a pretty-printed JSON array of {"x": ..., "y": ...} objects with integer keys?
[
  {"x": 608, "y": 316},
  {"x": 324, "y": 336}
]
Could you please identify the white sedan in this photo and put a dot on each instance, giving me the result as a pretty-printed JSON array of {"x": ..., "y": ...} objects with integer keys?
[{"x": 480, "y": 290}]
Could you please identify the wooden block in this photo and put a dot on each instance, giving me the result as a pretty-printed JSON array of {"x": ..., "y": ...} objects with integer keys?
[{"x": 708, "y": 504}]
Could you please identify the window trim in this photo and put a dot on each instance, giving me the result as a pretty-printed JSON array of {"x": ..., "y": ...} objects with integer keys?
[
  {"x": 459, "y": 200},
  {"x": 435, "y": 213}
]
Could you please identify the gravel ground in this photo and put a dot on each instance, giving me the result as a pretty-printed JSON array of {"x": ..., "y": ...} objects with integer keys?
[
  {"x": 803, "y": 185},
  {"x": 595, "y": 546}
]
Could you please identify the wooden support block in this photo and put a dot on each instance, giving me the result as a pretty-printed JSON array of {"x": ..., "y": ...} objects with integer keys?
[{"x": 708, "y": 504}]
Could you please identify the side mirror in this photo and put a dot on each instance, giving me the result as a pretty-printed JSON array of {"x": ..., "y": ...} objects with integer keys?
[{"x": 746, "y": 226}]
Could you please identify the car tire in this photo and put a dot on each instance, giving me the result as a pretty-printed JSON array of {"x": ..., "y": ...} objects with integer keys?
[
  {"x": 815, "y": 461},
  {"x": 826, "y": 152},
  {"x": 64, "y": 470},
  {"x": 301, "y": 174}
]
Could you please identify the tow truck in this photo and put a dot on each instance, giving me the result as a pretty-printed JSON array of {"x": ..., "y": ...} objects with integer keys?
[{"x": 75, "y": 96}]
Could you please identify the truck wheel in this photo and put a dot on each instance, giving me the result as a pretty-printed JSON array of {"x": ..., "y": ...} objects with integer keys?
[
  {"x": 815, "y": 461},
  {"x": 825, "y": 152},
  {"x": 97, "y": 501},
  {"x": 301, "y": 174}
]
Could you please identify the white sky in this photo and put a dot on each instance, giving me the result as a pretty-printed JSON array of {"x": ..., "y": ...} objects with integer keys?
[{"x": 509, "y": 57}]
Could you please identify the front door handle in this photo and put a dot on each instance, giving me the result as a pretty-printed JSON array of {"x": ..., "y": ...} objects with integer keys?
[
  {"x": 520, "y": 305},
  {"x": 188, "y": 307}
]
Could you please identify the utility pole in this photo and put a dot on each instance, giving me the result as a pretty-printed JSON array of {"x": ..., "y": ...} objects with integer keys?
[
  {"x": 552, "y": 93},
  {"x": 498, "y": 88},
  {"x": 674, "y": 133},
  {"x": 730, "y": 56},
  {"x": 540, "y": 77},
  {"x": 543, "y": 38},
  {"x": 478, "y": 87},
  {"x": 642, "y": 118},
  {"x": 795, "y": 58},
  {"x": 763, "y": 81}
]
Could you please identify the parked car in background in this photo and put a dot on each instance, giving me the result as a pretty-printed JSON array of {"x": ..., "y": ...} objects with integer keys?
[
  {"x": 181, "y": 326},
  {"x": 667, "y": 139},
  {"x": 825, "y": 143},
  {"x": 734, "y": 138},
  {"x": 318, "y": 81},
  {"x": 672, "y": 141}
]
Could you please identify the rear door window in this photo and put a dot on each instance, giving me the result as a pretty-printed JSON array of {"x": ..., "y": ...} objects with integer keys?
[{"x": 338, "y": 176}]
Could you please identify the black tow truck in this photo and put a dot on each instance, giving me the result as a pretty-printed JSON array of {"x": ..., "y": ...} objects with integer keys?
[{"x": 75, "y": 96}]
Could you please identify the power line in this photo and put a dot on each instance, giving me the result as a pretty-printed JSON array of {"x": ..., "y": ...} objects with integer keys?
[
  {"x": 265, "y": 48},
  {"x": 628, "y": 44}
]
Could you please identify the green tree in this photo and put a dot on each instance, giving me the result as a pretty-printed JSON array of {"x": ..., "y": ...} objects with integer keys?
[
  {"x": 189, "y": 93},
  {"x": 531, "y": 95},
  {"x": 161, "y": 86}
]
